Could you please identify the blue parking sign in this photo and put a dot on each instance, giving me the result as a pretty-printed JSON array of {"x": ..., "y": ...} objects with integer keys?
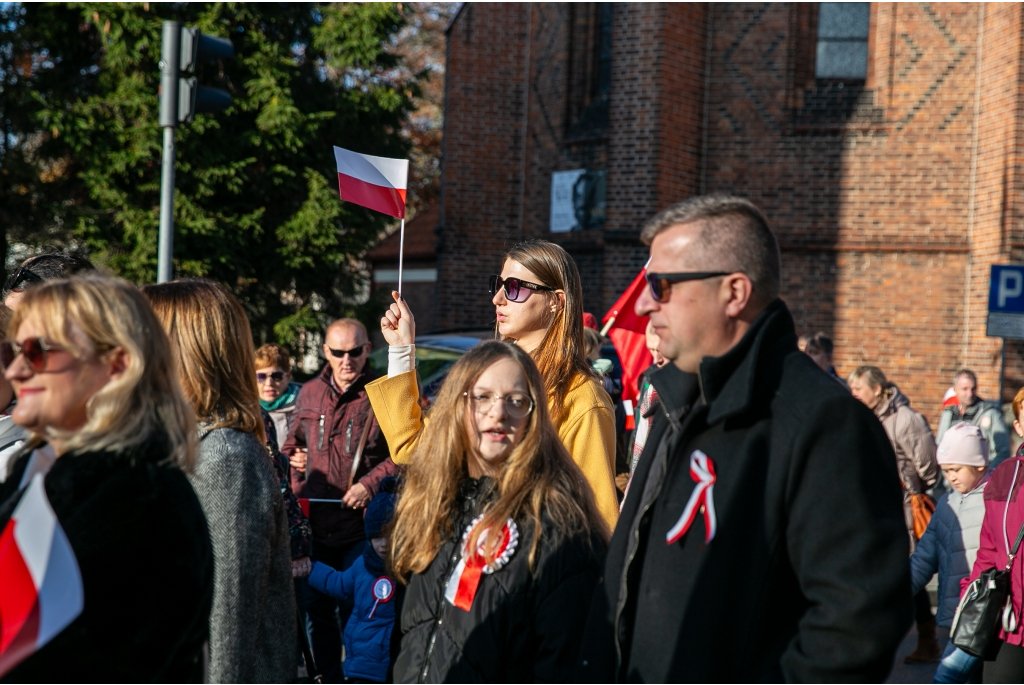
[{"x": 1006, "y": 301}]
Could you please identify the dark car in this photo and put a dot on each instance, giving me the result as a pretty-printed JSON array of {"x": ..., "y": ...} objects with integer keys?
[{"x": 435, "y": 354}]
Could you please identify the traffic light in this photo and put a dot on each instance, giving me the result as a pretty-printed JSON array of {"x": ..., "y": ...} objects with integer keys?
[
  {"x": 181, "y": 96},
  {"x": 192, "y": 98}
]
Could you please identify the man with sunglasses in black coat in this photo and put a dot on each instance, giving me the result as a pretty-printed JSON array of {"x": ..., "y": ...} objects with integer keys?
[
  {"x": 334, "y": 426},
  {"x": 762, "y": 539}
]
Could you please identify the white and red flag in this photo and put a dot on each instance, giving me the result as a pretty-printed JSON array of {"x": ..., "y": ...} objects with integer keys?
[
  {"x": 378, "y": 183},
  {"x": 40, "y": 583}
]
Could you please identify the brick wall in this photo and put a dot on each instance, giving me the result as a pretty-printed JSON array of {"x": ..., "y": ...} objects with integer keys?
[{"x": 890, "y": 196}]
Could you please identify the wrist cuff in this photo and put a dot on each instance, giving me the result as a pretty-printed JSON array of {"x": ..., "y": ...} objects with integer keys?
[{"x": 401, "y": 359}]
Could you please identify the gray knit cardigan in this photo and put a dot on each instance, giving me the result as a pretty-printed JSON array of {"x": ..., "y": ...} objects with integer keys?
[{"x": 252, "y": 625}]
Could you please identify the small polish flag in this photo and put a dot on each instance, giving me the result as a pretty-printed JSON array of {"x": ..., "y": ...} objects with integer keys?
[
  {"x": 41, "y": 587},
  {"x": 377, "y": 183}
]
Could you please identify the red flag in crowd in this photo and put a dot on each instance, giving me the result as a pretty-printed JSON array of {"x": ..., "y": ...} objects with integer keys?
[
  {"x": 627, "y": 332},
  {"x": 41, "y": 592}
]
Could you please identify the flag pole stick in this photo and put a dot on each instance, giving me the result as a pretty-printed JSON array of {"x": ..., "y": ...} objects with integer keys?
[
  {"x": 608, "y": 326},
  {"x": 401, "y": 254}
]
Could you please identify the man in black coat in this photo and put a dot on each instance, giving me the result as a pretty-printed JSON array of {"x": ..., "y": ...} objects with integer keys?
[{"x": 763, "y": 536}]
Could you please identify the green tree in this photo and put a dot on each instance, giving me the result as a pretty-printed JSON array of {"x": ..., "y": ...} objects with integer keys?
[{"x": 256, "y": 204}]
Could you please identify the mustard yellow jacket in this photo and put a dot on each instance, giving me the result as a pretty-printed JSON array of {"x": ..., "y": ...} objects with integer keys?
[{"x": 587, "y": 430}]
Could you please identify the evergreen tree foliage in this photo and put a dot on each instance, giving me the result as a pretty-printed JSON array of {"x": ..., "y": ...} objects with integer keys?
[{"x": 256, "y": 201}]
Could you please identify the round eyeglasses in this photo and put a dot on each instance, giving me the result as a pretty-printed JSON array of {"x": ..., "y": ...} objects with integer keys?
[{"x": 516, "y": 404}]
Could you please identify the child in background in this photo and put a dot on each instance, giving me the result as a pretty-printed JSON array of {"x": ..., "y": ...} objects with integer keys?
[
  {"x": 949, "y": 546},
  {"x": 371, "y": 589}
]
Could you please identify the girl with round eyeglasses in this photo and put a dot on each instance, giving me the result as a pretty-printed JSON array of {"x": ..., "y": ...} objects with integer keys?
[{"x": 495, "y": 534}]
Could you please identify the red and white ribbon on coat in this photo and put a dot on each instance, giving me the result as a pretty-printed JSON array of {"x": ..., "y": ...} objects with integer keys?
[
  {"x": 465, "y": 579},
  {"x": 702, "y": 470}
]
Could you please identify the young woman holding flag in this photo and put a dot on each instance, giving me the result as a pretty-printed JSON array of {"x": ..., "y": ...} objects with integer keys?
[
  {"x": 538, "y": 302},
  {"x": 495, "y": 533}
]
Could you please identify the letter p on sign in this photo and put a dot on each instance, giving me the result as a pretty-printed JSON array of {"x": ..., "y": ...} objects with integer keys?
[{"x": 1011, "y": 285}]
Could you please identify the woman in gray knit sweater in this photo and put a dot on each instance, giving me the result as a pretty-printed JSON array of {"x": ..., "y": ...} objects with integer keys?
[{"x": 252, "y": 626}]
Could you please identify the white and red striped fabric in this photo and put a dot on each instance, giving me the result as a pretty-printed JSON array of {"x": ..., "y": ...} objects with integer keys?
[
  {"x": 702, "y": 471},
  {"x": 378, "y": 183},
  {"x": 40, "y": 583}
]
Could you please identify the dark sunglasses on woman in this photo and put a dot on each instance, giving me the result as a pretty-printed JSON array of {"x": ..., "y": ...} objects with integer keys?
[
  {"x": 34, "y": 350},
  {"x": 276, "y": 376},
  {"x": 516, "y": 289},
  {"x": 20, "y": 279}
]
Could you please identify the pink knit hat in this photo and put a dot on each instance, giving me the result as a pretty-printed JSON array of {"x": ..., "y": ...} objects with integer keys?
[{"x": 963, "y": 444}]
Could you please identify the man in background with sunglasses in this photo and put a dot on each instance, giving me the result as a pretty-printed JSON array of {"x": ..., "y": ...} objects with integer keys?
[
  {"x": 762, "y": 539},
  {"x": 334, "y": 427}
]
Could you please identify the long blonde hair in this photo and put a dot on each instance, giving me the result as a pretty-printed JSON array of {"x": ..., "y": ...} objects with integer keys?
[
  {"x": 212, "y": 347},
  {"x": 561, "y": 356},
  {"x": 146, "y": 398},
  {"x": 537, "y": 477}
]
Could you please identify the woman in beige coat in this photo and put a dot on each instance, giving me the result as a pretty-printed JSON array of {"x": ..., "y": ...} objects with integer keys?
[{"x": 912, "y": 440}]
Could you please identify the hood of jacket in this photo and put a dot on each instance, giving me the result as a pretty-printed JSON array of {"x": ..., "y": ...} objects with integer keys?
[{"x": 892, "y": 400}]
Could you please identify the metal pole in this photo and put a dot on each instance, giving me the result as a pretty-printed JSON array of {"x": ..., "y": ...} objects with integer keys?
[
  {"x": 170, "y": 58},
  {"x": 1002, "y": 372},
  {"x": 165, "y": 253}
]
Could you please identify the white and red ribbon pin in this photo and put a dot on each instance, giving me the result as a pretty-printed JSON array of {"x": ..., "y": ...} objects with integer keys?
[
  {"x": 383, "y": 591},
  {"x": 465, "y": 579},
  {"x": 702, "y": 470}
]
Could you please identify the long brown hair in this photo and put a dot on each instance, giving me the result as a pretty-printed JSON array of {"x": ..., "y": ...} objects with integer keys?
[
  {"x": 212, "y": 347},
  {"x": 145, "y": 399},
  {"x": 561, "y": 356},
  {"x": 537, "y": 477}
]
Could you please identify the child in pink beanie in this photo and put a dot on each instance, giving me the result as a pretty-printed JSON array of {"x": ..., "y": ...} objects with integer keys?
[{"x": 950, "y": 544}]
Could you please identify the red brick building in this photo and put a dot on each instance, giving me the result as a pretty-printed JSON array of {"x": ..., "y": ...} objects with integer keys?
[{"x": 883, "y": 143}]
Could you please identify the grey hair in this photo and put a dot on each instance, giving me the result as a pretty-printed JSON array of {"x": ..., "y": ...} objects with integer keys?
[
  {"x": 965, "y": 372},
  {"x": 872, "y": 375},
  {"x": 734, "y": 236}
]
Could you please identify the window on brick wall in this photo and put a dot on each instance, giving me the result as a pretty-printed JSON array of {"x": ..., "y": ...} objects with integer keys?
[
  {"x": 842, "y": 51},
  {"x": 589, "y": 70}
]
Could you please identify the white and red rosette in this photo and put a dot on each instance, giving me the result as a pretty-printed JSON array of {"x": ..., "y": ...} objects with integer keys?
[{"x": 465, "y": 579}]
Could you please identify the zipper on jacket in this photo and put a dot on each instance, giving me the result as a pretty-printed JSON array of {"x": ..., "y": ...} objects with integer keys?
[
  {"x": 348, "y": 436},
  {"x": 440, "y": 618},
  {"x": 320, "y": 443}
]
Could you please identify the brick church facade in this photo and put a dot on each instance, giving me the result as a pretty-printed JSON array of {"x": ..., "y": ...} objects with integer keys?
[{"x": 884, "y": 148}]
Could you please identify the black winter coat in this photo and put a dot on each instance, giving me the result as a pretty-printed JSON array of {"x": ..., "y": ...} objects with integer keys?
[
  {"x": 807, "y": 578},
  {"x": 140, "y": 538},
  {"x": 523, "y": 626}
]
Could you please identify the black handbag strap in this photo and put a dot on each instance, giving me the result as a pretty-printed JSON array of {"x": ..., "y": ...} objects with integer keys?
[{"x": 1016, "y": 546}]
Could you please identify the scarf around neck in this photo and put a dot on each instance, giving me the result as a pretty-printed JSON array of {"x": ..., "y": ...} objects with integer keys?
[{"x": 286, "y": 398}]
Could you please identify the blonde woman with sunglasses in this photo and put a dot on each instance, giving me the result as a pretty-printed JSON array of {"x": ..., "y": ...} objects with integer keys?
[
  {"x": 538, "y": 303},
  {"x": 111, "y": 441}
]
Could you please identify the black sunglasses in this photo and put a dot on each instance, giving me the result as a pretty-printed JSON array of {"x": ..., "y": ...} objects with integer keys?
[
  {"x": 659, "y": 283},
  {"x": 20, "y": 279},
  {"x": 354, "y": 353},
  {"x": 516, "y": 289},
  {"x": 276, "y": 376},
  {"x": 34, "y": 349}
]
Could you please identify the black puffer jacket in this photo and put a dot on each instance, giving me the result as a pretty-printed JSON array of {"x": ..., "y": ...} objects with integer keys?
[{"x": 523, "y": 626}]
